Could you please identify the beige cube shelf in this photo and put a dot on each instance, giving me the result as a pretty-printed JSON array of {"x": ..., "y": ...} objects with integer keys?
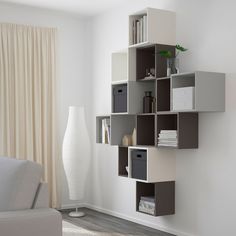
[
  {"x": 160, "y": 164},
  {"x": 159, "y": 27}
]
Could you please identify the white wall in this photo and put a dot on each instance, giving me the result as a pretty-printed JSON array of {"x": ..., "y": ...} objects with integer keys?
[
  {"x": 205, "y": 192},
  {"x": 74, "y": 81}
]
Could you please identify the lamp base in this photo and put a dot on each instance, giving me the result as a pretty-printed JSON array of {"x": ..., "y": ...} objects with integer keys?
[{"x": 76, "y": 213}]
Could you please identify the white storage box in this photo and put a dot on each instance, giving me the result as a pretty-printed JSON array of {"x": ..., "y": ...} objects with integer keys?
[{"x": 183, "y": 98}]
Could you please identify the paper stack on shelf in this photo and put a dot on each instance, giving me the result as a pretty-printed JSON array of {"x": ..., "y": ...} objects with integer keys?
[
  {"x": 140, "y": 30},
  {"x": 106, "y": 130},
  {"x": 147, "y": 205},
  {"x": 168, "y": 138}
]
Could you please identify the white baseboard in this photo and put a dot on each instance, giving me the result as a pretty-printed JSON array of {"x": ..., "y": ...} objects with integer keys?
[
  {"x": 125, "y": 217},
  {"x": 135, "y": 220}
]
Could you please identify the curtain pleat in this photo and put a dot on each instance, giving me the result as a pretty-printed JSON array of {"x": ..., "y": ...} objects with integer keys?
[{"x": 28, "y": 124}]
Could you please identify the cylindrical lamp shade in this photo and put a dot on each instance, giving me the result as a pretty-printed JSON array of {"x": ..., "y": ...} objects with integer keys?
[{"x": 76, "y": 153}]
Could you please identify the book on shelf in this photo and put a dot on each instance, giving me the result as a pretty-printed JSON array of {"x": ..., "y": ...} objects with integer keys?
[
  {"x": 139, "y": 31},
  {"x": 106, "y": 131}
]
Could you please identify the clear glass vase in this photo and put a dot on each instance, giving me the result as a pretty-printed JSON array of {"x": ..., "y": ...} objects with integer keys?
[{"x": 172, "y": 66}]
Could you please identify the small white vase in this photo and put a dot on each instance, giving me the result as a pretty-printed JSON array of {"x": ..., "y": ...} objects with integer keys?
[{"x": 76, "y": 153}]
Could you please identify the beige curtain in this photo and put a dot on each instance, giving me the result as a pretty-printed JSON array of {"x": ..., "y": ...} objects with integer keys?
[{"x": 27, "y": 98}]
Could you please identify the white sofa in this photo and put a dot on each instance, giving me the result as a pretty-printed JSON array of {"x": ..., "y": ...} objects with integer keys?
[{"x": 24, "y": 204}]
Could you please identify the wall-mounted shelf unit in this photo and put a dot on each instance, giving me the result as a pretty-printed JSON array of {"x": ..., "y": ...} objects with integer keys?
[
  {"x": 198, "y": 91},
  {"x": 148, "y": 164},
  {"x": 162, "y": 193},
  {"x": 173, "y": 121},
  {"x": 153, "y": 26}
]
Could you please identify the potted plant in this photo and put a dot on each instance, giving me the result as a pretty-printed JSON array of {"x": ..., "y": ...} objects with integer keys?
[{"x": 172, "y": 61}]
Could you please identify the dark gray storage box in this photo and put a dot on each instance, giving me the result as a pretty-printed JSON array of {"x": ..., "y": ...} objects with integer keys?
[
  {"x": 139, "y": 164},
  {"x": 120, "y": 98}
]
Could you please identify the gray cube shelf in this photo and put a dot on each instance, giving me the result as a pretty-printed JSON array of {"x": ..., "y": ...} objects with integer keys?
[{"x": 209, "y": 90}]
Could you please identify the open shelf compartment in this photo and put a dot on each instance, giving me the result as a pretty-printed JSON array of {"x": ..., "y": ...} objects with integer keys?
[
  {"x": 163, "y": 94},
  {"x": 198, "y": 91},
  {"x": 146, "y": 129},
  {"x": 158, "y": 26},
  {"x": 161, "y": 194},
  {"x": 149, "y": 63},
  {"x": 119, "y": 66},
  {"x": 149, "y": 164},
  {"x": 121, "y": 125},
  {"x": 122, "y": 161},
  {"x": 186, "y": 126}
]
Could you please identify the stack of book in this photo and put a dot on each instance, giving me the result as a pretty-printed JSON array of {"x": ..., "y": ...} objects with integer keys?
[
  {"x": 139, "y": 30},
  {"x": 147, "y": 205},
  {"x": 106, "y": 131},
  {"x": 168, "y": 138}
]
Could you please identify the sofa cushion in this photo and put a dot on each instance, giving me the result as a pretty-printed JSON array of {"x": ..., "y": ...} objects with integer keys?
[{"x": 19, "y": 180}]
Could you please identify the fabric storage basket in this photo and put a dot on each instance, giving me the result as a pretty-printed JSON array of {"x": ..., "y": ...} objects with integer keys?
[
  {"x": 139, "y": 164},
  {"x": 120, "y": 98}
]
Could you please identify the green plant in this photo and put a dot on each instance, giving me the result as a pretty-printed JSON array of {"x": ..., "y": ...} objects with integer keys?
[{"x": 168, "y": 54}]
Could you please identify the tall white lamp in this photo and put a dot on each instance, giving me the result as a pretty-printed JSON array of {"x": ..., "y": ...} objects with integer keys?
[{"x": 76, "y": 155}]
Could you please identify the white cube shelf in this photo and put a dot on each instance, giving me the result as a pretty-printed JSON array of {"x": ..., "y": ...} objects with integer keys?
[
  {"x": 203, "y": 91},
  {"x": 119, "y": 65},
  {"x": 160, "y": 164},
  {"x": 159, "y": 27}
]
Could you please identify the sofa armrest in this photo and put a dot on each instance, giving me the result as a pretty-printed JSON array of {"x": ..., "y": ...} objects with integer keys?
[
  {"x": 41, "y": 199},
  {"x": 34, "y": 222}
]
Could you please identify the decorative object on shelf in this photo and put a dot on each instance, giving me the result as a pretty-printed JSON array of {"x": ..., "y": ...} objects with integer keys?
[
  {"x": 172, "y": 62},
  {"x": 76, "y": 155},
  {"x": 127, "y": 169},
  {"x": 106, "y": 131},
  {"x": 150, "y": 73},
  {"x": 127, "y": 140},
  {"x": 134, "y": 137},
  {"x": 148, "y": 102},
  {"x": 153, "y": 105}
]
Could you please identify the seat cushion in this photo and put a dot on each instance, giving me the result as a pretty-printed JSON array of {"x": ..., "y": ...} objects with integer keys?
[{"x": 19, "y": 180}]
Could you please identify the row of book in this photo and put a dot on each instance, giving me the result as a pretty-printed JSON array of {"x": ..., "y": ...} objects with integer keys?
[
  {"x": 106, "y": 131},
  {"x": 139, "y": 30},
  {"x": 147, "y": 205},
  {"x": 168, "y": 138}
]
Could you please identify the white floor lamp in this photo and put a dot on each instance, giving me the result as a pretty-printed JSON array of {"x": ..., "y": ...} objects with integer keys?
[{"x": 76, "y": 155}]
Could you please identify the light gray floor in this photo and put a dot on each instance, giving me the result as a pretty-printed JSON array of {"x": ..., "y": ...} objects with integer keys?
[{"x": 99, "y": 222}]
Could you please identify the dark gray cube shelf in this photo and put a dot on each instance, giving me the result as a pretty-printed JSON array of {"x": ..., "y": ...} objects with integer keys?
[
  {"x": 146, "y": 129},
  {"x": 186, "y": 124},
  {"x": 163, "y": 193},
  {"x": 163, "y": 94},
  {"x": 149, "y": 57},
  {"x": 122, "y": 161}
]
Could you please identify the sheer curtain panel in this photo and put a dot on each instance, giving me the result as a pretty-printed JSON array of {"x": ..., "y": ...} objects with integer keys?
[{"x": 27, "y": 98}]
